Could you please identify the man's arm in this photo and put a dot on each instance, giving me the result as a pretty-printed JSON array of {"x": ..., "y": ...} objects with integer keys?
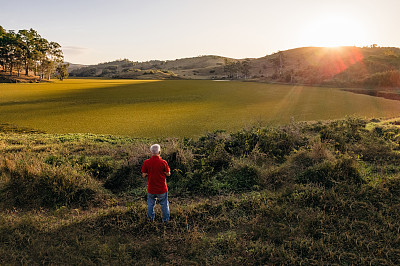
[
  {"x": 167, "y": 169},
  {"x": 144, "y": 170}
]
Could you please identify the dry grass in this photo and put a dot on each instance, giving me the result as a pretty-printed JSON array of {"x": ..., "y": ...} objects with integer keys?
[{"x": 298, "y": 194}]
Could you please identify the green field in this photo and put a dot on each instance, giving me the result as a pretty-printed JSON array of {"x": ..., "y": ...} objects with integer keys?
[{"x": 175, "y": 107}]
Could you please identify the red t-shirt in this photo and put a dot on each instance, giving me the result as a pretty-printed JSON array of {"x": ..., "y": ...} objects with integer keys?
[{"x": 155, "y": 167}]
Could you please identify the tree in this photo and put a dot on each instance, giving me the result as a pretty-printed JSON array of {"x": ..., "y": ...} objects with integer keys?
[
  {"x": 2, "y": 47},
  {"x": 31, "y": 41},
  {"x": 236, "y": 70},
  {"x": 62, "y": 71},
  {"x": 29, "y": 50},
  {"x": 229, "y": 68},
  {"x": 245, "y": 68},
  {"x": 278, "y": 62},
  {"x": 10, "y": 50}
]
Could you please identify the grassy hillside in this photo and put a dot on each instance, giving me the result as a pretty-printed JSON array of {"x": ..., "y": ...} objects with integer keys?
[
  {"x": 309, "y": 193},
  {"x": 343, "y": 66},
  {"x": 201, "y": 67},
  {"x": 348, "y": 66},
  {"x": 175, "y": 107}
]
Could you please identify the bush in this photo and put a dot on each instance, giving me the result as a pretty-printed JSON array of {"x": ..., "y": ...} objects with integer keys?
[
  {"x": 34, "y": 183},
  {"x": 126, "y": 177},
  {"x": 242, "y": 177},
  {"x": 112, "y": 68},
  {"x": 383, "y": 79},
  {"x": 342, "y": 133},
  {"x": 279, "y": 143},
  {"x": 100, "y": 168},
  {"x": 329, "y": 173},
  {"x": 127, "y": 65}
]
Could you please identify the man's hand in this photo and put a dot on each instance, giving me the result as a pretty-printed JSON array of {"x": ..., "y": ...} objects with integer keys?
[
  {"x": 144, "y": 175},
  {"x": 167, "y": 174}
]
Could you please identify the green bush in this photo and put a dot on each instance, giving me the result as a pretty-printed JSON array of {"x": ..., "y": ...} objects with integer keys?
[
  {"x": 125, "y": 177},
  {"x": 100, "y": 167},
  {"x": 341, "y": 133},
  {"x": 33, "y": 183},
  {"x": 242, "y": 177},
  {"x": 330, "y": 173}
]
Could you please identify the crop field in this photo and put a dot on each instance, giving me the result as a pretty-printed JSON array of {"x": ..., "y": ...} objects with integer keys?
[{"x": 175, "y": 108}]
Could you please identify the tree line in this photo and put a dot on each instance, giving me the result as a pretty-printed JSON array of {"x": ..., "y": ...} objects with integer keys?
[
  {"x": 26, "y": 51},
  {"x": 238, "y": 69}
]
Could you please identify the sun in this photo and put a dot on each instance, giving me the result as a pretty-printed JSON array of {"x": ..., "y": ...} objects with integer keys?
[{"x": 333, "y": 31}]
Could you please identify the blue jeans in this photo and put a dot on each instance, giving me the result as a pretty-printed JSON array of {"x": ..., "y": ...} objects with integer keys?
[{"x": 151, "y": 201}]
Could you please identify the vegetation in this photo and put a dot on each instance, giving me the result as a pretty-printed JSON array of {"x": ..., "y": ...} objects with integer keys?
[
  {"x": 387, "y": 79},
  {"x": 29, "y": 51},
  {"x": 62, "y": 71},
  {"x": 174, "y": 108},
  {"x": 196, "y": 67},
  {"x": 237, "y": 69},
  {"x": 302, "y": 193},
  {"x": 336, "y": 67}
]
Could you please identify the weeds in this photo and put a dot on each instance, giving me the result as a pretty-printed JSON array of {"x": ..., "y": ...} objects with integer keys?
[{"x": 320, "y": 193}]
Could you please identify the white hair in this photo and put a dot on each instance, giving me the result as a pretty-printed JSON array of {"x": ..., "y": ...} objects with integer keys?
[{"x": 155, "y": 149}]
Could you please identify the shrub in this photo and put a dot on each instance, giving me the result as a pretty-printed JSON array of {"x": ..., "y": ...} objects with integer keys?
[
  {"x": 242, "y": 142},
  {"x": 100, "y": 168},
  {"x": 383, "y": 79},
  {"x": 242, "y": 177},
  {"x": 329, "y": 173},
  {"x": 112, "y": 68},
  {"x": 54, "y": 160},
  {"x": 34, "y": 183},
  {"x": 376, "y": 150},
  {"x": 279, "y": 143},
  {"x": 341, "y": 133},
  {"x": 126, "y": 177},
  {"x": 127, "y": 65}
]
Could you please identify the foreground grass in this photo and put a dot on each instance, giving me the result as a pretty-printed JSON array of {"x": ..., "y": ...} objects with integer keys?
[
  {"x": 178, "y": 108},
  {"x": 320, "y": 193}
]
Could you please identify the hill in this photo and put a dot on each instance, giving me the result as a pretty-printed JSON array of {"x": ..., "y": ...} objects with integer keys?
[
  {"x": 318, "y": 193},
  {"x": 72, "y": 67},
  {"x": 202, "y": 67},
  {"x": 370, "y": 67}
]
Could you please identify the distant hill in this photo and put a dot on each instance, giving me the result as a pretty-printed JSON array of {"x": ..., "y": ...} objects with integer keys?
[
  {"x": 202, "y": 67},
  {"x": 72, "y": 66},
  {"x": 344, "y": 66}
]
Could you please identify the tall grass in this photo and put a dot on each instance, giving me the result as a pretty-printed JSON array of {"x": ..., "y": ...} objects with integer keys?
[{"x": 310, "y": 193}]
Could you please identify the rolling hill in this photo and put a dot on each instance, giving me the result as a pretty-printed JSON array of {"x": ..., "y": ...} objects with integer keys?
[
  {"x": 343, "y": 66},
  {"x": 202, "y": 67}
]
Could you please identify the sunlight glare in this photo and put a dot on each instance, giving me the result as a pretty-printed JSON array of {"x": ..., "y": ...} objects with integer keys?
[{"x": 333, "y": 31}]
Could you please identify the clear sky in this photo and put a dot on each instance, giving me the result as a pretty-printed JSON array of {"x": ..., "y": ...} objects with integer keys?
[{"x": 94, "y": 31}]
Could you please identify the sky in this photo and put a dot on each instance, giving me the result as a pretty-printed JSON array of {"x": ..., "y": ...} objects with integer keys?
[{"x": 95, "y": 31}]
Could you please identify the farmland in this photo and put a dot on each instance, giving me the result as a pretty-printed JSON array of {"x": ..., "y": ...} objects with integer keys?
[{"x": 175, "y": 108}]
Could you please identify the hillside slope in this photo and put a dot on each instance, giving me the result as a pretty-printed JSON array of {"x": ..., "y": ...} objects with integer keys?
[
  {"x": 343, "y": 66},
  {"x": 202, "y": 67}
]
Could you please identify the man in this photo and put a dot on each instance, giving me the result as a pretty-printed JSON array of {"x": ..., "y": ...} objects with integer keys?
[{"x": 156, "y": 170}]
